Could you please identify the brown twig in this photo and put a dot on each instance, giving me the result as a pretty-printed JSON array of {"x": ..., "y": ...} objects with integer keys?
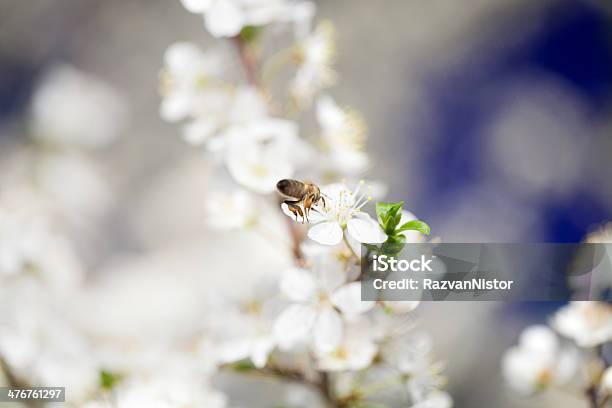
[
  {"x": 591, "y": 394},
  {"x": 296, "y": 242},
  {"x": 249, "y": 61},
  {"x": 250, "y": 65}
]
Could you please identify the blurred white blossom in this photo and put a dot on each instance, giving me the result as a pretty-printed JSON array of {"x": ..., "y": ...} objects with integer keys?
[
  {"x": 606, "y": 381},
  {"x": 29, "y": 247},
  {"x": 230, "y": 210},
  {"x": 226, "y": 18},
  {"x": 262, "y": 152},
  {"x": 74, "y": 108},
  {"x": 215, "y": 113},
  {"x": 436, "y": 399},
  {"x": 167, "y": 391},
  {"x": 355, "y": 352},
  {"x": 411, "y": 353},
  {"x": 315, "y": 57},
  {"x": 343, "y": 135},
  {"x": 539, "y": 361},
  {"x": 247, "y": 329},
  {"x": 187, "y": 74},
  {"x": 587, "y": 323},
  {"x": 44, "y": 348}
]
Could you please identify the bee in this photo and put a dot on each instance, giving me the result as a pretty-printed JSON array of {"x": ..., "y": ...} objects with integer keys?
[{"x": 298, "y": 193}]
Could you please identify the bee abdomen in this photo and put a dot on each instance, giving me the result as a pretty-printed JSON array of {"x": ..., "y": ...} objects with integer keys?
[
  {"x": 283, "y": 185},
  {"x": 290, "y": 188}
]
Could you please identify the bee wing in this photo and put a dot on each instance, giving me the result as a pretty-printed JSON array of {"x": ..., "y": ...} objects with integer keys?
[
  {"x": 289, "y": 196},
  {"x": 292, "y": 189}
]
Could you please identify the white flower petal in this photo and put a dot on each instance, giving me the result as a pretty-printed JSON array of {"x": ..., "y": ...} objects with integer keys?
[
  {"x": 587, "y": 323},
  {"x": 326, "y": 233},
  {"x": 317, "y": 214},
  {"x": 285, "y": 209},
  {"x": 362, "y": 352},
  {"x": 261, "y": 350},
  {"x": 365, "y": 229},
  {"x": 606, "y": 380},
  {"x": 198, "y": 131},
  {"x": 224, "y": 19},
  {"x": 539, "y": 339},
  {"x": 293, "y": 325},
  {"x": 348, "y": 300},
  {"x": 333, "y": 191},
  {"x": 298, "y": 285},
  {"x": 327, "y": 331},
  {"x": 182, "y": 57},
  {"x": 232, "y": 351},
  {"x": 175, "y": 107},
  {"x": 196, "y": 6},
  {"x": 329, "y": 115},
  {"x": 437, "y": 399}
]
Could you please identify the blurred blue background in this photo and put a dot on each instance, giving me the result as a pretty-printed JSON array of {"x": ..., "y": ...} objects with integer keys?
[{"x": 563, "y": 68}]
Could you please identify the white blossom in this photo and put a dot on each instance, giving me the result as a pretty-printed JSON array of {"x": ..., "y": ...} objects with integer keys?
[
  {"x": 230, "y": 210},
  {"x": 437, "y": 399},
  {"x": 74, "y": 108},
  {"x": 342, "y": 214},
  {"x": 262, "y": 152},
  {"x": 169, "y": 391},
  {"x": 315, "y": 55},
  {"x": 606, "y": 381},
  {"x": 602, "y": 235},
  {"x": 226, "y": 18},
  {"x": 45, "y": 348},
  {"x": 318, "y": 296},
  {"x": 587, "y": 323},
  {"x": 343, "y": 134},
  {"x": 29, "y": 247},
  {"x": 190, "y": 78},
  {"x": 411, "y": 354},
  {"x": 355, "y": 352},
  {"x": 220, "y": 109},
  {"x": 538, "y": 361},
  {"x": 74, "y": 185},
  {"x": 247, "y": 328}
]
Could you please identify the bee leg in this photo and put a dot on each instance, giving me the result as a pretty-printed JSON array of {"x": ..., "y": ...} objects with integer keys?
[
  {"x": 307, "y": 206},
  {"x": 323, "y": 199},
  {"x": 295, "y": 209}
]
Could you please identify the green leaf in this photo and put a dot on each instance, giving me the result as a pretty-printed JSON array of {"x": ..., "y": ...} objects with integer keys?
[
  {"x": 243, "y": 366},
  {"x": 394, "y": 220},
  {"x": 393, "y": 245},
  {"x": 416, "y": 225},
  {"x": 250, "y": 34},
  {"x": 387, "y": 212},
  {"x": 108, "y": 380}
]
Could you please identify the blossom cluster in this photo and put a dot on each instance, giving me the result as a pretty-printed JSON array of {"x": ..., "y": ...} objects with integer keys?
[
  {"x": 568, "y": 355},
  {"x": 313, "y": 310}
]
